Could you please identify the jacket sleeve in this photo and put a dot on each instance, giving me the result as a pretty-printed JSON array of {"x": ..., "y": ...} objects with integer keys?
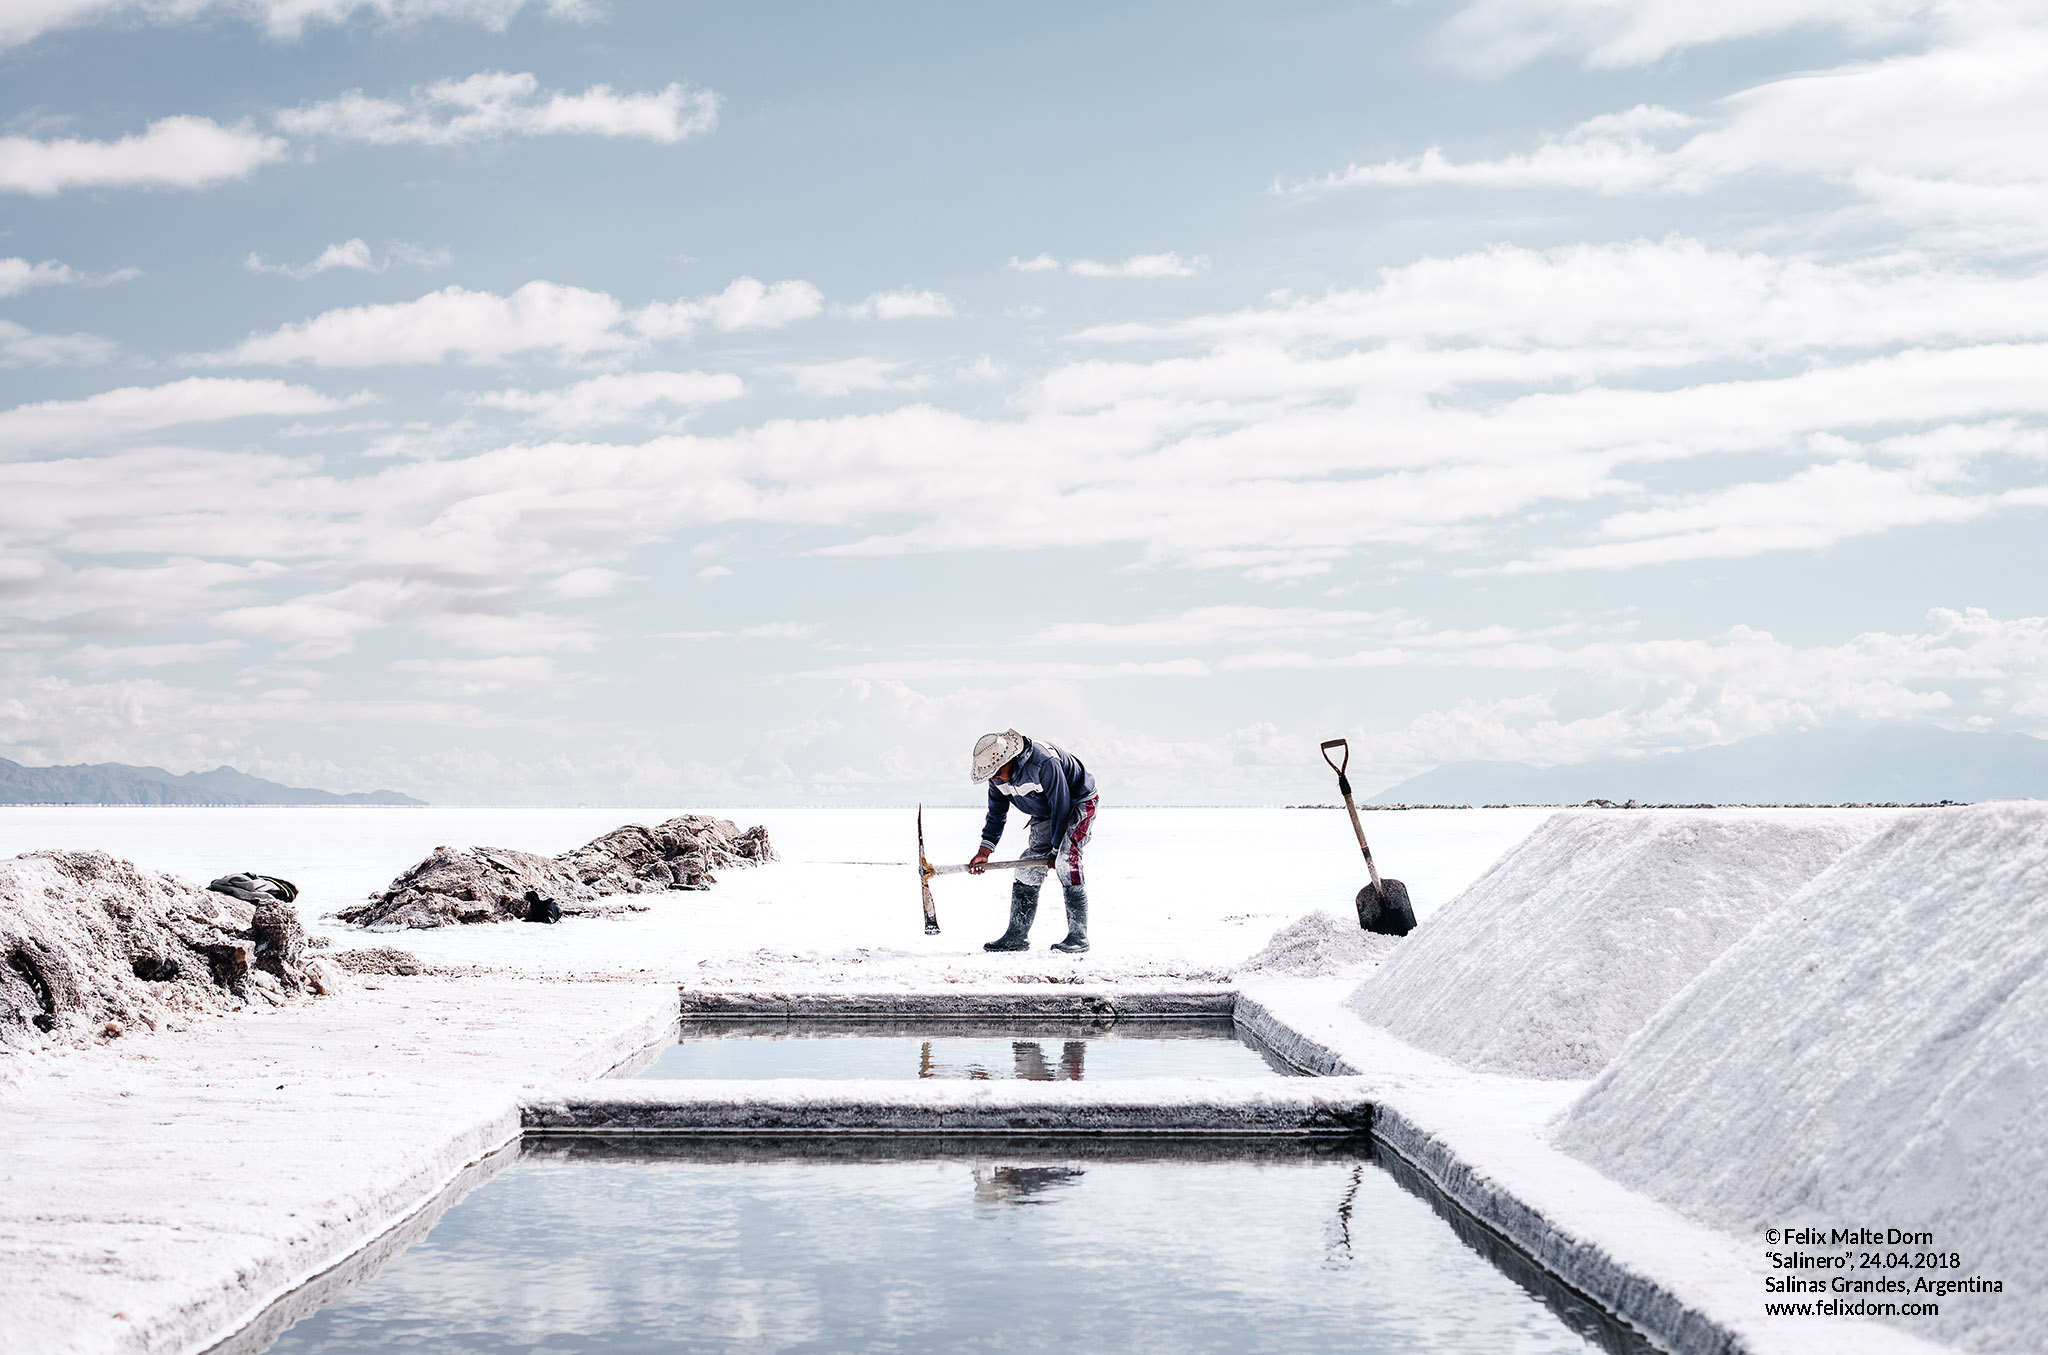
[{"x": 998, "y": 810}]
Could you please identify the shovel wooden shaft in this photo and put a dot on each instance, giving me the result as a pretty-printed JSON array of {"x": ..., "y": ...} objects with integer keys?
[
  {"x": 1350, "y": 806},
  {"x": 1359, "y": 829}
]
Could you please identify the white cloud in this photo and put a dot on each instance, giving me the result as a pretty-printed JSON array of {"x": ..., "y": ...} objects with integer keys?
[
  {"x": 1168, "y": 265},
  {"x": 24, "y": 347},
  {"x": 175, "y": 152},
  {"x": 1208, "y": 627},
  {"x": 19, "y": 275},
  {"x": 1646, "y": 303},
  {"x": 1811, "y": 510},
  {"x": 1492, "y": 36},
  {"x": 1481, "y": 412},
  {"x": 1612, "y": 153},
  {"x": 25, "y": 20},
  {"x": 766, "y": 630},
  {"x": 745, "y": 304},
  {"x": 928, "y": 670},
  {"x": 1942, "y": 140},
  {"x": 467, "y": 679},
  {"x": 847, "y": 375},
  {"x": 103, "y": 659},
  {"x": 143, "y": 409},
  {"x": 616, "y": 398},
  {"x": 496, "y": 104},
  {"x": 352, "y": 254},
  {"x": 904, "y": 304},
  {"x": 570, "y": 323},
  {"x": 453, "y": 323}
]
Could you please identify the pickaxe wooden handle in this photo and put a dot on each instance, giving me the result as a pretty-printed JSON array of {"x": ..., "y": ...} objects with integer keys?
[
  {"x": 926, "y": 870},
  {"x": 930, "y": 870}
]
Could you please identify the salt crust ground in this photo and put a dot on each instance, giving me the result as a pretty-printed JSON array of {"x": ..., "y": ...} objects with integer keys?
[
  {"x": 1874, "y": 1053},
  {"x": 1485, "y": 1137},
  {"x": 161, "y": 1189},
  {"x": 1559, "y": 953}
]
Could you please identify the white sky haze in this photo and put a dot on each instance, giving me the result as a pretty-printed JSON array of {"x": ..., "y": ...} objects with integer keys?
[{"x": 628, "y": 402}]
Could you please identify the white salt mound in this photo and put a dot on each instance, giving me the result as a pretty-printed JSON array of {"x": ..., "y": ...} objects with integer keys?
[
  {"x": 1873, "y": 1055},
  {"x": 92, "y": 947},
  {"x": 1318, "y": 946},
  {"x": 1549, "y": 962}
]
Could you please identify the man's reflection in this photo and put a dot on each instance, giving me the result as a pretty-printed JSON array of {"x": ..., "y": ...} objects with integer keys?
[
  {"x": 994, "y": 1186},
  {"x": 1028, "y": 1062},
  {"x": 1032, "y": 1065}
]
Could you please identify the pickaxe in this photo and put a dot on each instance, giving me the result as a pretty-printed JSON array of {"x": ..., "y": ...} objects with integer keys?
[{"x": 925, "y": 871}]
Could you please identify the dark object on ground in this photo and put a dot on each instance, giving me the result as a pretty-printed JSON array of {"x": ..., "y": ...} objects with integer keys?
[
  {"x": 253, "y": 888},
  {"x": 539, "y": 909},
  {"x": 116, "y": 783},
  {"x": 1385, "y": 909},
  {"x": 496, "y": 884},
  {"x": 1383, "y": 904},
  {"x": 89, "y": 943}
]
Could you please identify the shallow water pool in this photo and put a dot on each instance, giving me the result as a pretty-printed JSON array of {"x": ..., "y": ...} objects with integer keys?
[
  {"x": 929, "y": 1245},
  {"x": 1032, "y": 1050}
]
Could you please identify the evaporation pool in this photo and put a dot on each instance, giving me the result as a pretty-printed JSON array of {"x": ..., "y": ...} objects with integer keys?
[
  {"x": 925, "y": 1244},
  {"x": 1034, "y": 1050}
]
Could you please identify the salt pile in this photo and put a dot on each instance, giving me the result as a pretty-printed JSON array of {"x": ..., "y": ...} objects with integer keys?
[
  {"x": 1871, "y": 1055},
  {"x": 1549, "y": 962},
  {"x": 1319, "y": 946},
  {"x": 498, "y": 884},
  {"x": 92, "y": 947}
]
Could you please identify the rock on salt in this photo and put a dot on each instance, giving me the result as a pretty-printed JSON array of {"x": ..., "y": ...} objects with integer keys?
[{"x": 91, "y": 945}]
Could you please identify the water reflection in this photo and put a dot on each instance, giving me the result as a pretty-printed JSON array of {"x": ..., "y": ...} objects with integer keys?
[
  {"x": 1032, "y": 1051},
  {"x": 829, "y": 1245},
  {"x": 1028, "y": 1063},
  {"x": 998, "y": 1186}
]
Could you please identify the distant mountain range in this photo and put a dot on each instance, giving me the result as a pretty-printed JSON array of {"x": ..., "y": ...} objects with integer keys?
[
  {"x": 1899, "y": 763},
  {"x": 115, "y": 783}
]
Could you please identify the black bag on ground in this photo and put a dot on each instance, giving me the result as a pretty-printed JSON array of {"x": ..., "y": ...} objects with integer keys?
[
  {"x": 1386, "y": 910},
  {"x": 539, "y": 909},
  {"x": 252, "y": 888}
]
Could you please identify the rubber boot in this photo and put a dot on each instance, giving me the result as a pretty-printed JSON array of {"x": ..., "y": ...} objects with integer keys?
[
  {"x": 1077, "y": 921},
  {"x": 1023, "y": 908}
]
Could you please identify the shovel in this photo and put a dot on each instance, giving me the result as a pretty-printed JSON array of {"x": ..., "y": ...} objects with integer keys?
[
  {"x": 925, "y": 871},
  {"x": 1382, "y": 905}
]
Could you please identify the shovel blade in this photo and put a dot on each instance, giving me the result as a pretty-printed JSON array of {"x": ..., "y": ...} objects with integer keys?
[{"x": 1386, "y": 909}]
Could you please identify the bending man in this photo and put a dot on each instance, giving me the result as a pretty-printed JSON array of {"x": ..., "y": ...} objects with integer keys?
[{"x": 1056, "y": 793}]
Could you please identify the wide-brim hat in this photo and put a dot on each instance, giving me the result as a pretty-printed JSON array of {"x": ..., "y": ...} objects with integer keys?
[{"x": 991, "y": 751}]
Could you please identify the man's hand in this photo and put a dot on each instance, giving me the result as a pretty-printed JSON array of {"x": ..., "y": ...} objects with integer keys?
[{"x": 978, "y": 862}]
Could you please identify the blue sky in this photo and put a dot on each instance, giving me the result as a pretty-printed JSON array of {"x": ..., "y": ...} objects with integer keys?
[{"x": 507, "y": 401}]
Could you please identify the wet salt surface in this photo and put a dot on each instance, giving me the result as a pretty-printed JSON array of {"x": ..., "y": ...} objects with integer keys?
[
  {"x": 929, "y": 1245},
  {"x": 1041, "y": 1051}
]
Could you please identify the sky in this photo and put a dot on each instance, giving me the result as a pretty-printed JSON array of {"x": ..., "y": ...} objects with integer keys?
[{"x": 587, "y": 401}]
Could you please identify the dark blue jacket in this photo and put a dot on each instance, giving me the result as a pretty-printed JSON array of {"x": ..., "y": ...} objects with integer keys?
[{"x": 1045, "y": 783}]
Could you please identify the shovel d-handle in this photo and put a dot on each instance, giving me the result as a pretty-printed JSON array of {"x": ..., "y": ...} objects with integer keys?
[{"x": 1351, "y": 808}]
